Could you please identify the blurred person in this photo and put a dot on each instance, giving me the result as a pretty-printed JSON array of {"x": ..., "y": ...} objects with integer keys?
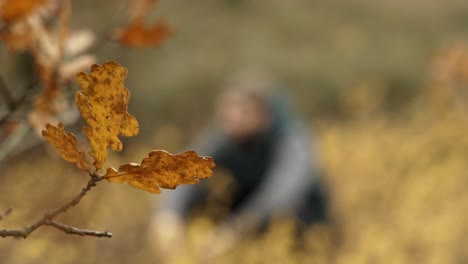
[{"x": 270, "y": 156}]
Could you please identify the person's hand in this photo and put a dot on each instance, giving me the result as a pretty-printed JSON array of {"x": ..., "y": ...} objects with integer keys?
[{"x": 166, "y": 233}]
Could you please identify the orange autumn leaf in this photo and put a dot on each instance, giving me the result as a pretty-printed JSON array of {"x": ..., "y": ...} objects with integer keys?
[
  {"x": 161, "y": 169},
  {"x": 103, "y": 101},
  {"x": 12, "y": 10},
  {"x": 139, "y": 35},
  {"x": 66, "y": 145}
]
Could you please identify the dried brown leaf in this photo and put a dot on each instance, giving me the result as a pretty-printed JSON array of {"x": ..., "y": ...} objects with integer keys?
[
  {"x": 12, "y": 10},
  {"x": 161, "y": 169},
  {"x": 103, "y": 101},
  {"x": 66, "y": 145},
  {"x": 139, "y": 35}
]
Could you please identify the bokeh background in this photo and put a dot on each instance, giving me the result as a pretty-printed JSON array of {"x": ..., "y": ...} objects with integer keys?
[{"x": 382, "y": 84}]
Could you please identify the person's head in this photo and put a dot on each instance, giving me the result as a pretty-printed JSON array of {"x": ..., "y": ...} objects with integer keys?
[{"x": 244, "y": 106}]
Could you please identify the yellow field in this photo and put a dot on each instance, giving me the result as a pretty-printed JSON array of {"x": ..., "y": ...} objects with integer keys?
[{"x": 398, "y": 188}]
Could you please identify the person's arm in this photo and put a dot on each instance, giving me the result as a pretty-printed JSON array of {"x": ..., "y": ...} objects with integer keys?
[{"x": 288, "y": 180}]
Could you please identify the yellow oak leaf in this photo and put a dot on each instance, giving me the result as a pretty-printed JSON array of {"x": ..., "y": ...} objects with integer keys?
[
  {"x": 66, "y": 145},
  {"x": 161, "y": 169},
  {"x": 103, "y": 101}
]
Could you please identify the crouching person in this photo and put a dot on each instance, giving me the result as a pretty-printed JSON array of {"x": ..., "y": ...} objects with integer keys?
[{"x": 270, "y": 157}]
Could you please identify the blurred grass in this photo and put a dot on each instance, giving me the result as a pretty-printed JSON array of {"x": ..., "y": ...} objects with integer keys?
[{"x": 394, "y": 160}]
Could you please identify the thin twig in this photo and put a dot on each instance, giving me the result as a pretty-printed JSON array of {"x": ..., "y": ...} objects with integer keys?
[
  {"x": 49, "y": 215},
  {"x": 7, "y": 212},
  {"x": 77, "y": 231}
]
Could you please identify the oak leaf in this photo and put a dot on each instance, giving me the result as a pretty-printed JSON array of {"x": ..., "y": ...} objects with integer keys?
[
  {"x": 161, "y": 169},
  {"x": 66, "y": 145},
  {"x": 139, "y": 35},
  {"x": 103, "y": 101},
  {"x": 12, "y": 10}
]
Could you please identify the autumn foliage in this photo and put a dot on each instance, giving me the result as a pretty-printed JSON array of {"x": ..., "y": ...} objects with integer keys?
[
  {"x": 66, "y": 145},
  {"x": 136, "y": 33},
  {"x": 18, "y": 9},
  {"x": 41, "y": 28},
  {"x": 397, "y": 179},
  {"x": 103, "y": 101},
  {"x": 163, "y": 170}
]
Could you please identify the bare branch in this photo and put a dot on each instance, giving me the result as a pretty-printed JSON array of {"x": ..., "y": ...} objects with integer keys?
[
  {"x": 49, "y": 215},
  {"x": 7, "y": 212},
  {"x": 77, "y": 231}
]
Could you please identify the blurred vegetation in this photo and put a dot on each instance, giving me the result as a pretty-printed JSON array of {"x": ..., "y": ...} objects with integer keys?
[
  {"x": 320, "y": 49},
  {"x": 391, "y": 125}
]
